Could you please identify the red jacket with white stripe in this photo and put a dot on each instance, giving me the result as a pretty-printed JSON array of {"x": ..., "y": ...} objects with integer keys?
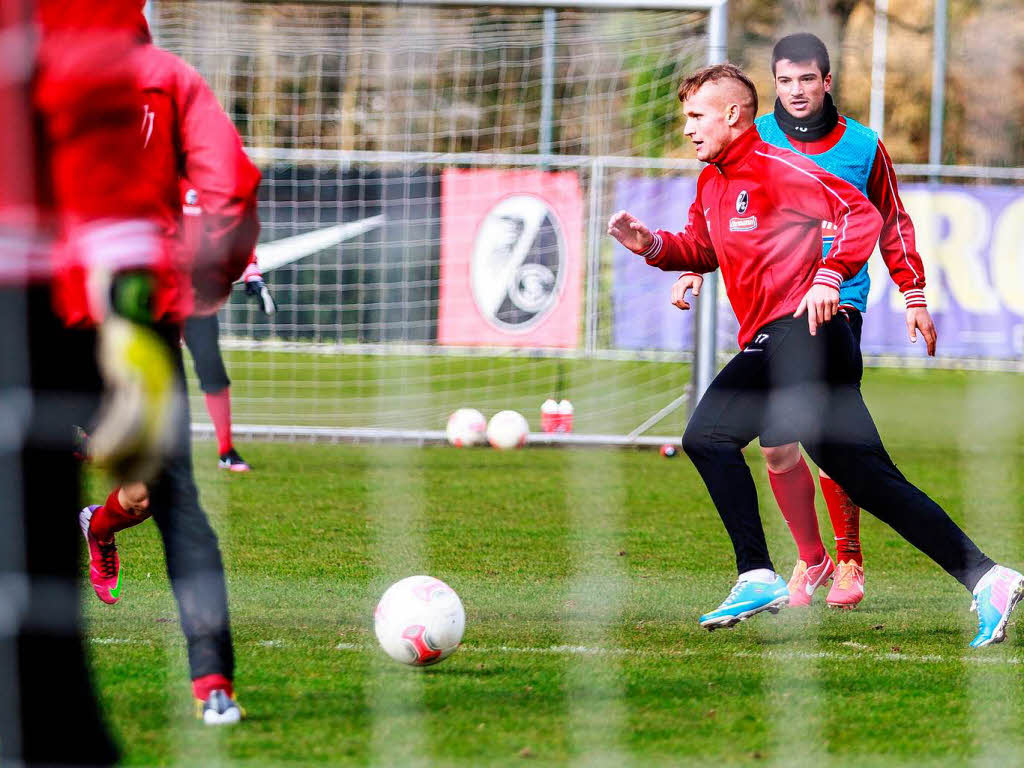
[
  {"x": 898, "y": 240},
  {"x": 758, "y": 216},
  {"x": 123, "y": 121},
  {"x": 189, "y": 139},
  {"x": 211, "y": 287},
  {"x": 90, "y": 208}
]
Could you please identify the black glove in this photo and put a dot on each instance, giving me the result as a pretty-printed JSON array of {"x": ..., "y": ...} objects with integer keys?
[{"x": 258, "y": 290}]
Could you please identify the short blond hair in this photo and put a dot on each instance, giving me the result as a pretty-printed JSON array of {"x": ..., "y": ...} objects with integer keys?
[{"x": 715, "y": 73}]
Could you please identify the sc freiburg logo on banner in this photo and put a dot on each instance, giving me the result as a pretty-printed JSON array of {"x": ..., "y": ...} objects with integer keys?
[{"x": 519, "y": 261}]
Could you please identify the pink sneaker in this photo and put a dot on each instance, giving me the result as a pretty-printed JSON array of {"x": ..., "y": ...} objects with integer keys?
[
  {"x": 806, "y": 579},
  {"x": 848, "y": 586},
  {"x": 104, "y": 564}
]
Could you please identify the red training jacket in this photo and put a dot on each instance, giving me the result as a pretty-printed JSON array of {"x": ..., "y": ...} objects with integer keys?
[
  {"x": 187, "y": 135},
  {"x": 898, "y": 241},
  {"x": 758, "y": 217},
  {"x": 209, "y": 295},
  {"x": 90, "y": 207}
]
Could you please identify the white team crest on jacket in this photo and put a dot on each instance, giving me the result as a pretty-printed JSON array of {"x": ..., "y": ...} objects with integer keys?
[{"x": 742, "y": 200}]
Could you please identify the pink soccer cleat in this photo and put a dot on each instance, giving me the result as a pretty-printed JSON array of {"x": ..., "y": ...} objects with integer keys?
[
  {"x": 104, "y": 564},
  {"x": 806, "y": 579},
  {"x": 233, "y": 461},
  {"x": 848, "y": 585}
]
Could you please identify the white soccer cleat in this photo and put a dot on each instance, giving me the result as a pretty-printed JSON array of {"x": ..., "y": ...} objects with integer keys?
[{"x": 219, "y": 709}]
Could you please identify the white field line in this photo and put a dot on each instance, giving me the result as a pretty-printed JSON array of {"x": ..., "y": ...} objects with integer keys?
[
  {"x": 770, "y": 655},
  {"x": 674, "y": 653}
]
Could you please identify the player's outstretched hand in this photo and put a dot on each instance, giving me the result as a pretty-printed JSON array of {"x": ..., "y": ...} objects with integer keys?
[
  {"x": 688, "y": 281},
  {"x": 918, "y": 318},
  {"x": 255, "y": 287},
  {"x": 630, "y": 231},
  {"x": 821, "y": 304},
  {"x": 259, "y": 291}
]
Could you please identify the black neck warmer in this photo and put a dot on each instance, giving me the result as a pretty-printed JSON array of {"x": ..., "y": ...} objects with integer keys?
[{"x": 808, "y": 128}]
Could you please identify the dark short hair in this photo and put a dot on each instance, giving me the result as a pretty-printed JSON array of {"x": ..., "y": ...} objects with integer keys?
[
  {"x": 803, "y": 46},
  {"x": 713, "y": 74}
]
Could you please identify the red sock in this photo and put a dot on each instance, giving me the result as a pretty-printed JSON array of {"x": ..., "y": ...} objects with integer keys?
[
  {"x": 219, "y": 407},
  {"x": 112, "y": 517},
  {"x": 794, "y": 490},
  {"x": 203, "y": 686},
  {"x": 845, "y": 516}
]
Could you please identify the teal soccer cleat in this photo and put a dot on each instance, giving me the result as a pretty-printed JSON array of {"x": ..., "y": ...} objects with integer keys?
[
  {"x": 746, "y": 599},
  {"x": 994, "y": 597}
]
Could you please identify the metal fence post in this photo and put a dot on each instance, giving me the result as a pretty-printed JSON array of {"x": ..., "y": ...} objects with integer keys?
[
  {"x": 706, "y": 349},
  {"x": 547, "y": 82},
  {"x": 594, "y": 234},
  {"x": 938, "y": 84}
]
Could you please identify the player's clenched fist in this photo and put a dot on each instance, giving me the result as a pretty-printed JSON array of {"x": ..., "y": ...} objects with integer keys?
[
  {"x": 690, "y": 281},
  {"x": 630, "y": 231}
]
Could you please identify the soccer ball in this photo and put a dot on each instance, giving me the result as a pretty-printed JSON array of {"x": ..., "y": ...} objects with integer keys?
[
  {"x": 419, "y": 621},
  {"x": 466, "y": 427},
  {"x": 507, "y": 429}
]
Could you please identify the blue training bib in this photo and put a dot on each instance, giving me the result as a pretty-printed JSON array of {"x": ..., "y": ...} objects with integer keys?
[{"x": 851, "y": 159}]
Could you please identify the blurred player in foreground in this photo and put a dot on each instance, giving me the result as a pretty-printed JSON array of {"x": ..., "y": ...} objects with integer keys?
[
  {"x": 87, "y": 286},
  {"x": 806, "y": 120},
  {"x": 758, "y": 216},
  {"x": 185, "y": 133}
]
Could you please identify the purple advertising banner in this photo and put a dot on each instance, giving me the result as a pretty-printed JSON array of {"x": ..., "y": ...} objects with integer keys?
[
  {"x": 642, "y": 315},
  {"x": 970, "y": 238}
]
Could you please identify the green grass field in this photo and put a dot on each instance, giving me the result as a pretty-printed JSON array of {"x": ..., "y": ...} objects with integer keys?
[
  {"x": 418, "y": 392},
  {"x": 583, "y": 574}
]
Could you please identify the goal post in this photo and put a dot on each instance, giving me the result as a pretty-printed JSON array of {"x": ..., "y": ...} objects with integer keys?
[{"x": 437, "y": 181}]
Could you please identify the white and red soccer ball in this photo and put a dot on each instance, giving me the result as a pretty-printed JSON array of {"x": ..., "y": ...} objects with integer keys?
[
  {"x": 467, "y": 426},
  {"x": 507, "y": 430},
  {"x": 419, "y": 621}
]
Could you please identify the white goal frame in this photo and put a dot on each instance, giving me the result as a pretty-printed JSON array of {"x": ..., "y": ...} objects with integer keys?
[{"x": 705, "y": 351}]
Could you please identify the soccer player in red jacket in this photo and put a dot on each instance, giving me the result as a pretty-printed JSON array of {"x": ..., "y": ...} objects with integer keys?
[
  {"x": 805, "y": 119},
  {"x": 185, "y": 132},
  {"x": 757, "y": 217},
  {"x": 202, "y": 333},
  {"x": 79, "y": 285}
]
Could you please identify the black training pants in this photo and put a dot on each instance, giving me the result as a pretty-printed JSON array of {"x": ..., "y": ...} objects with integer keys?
[
  {"x": 194, "y": 563},
  {"x": 48, "y": 382},
  {"x": 202, "y": 339},
  {"x": 789, "y": 386}
]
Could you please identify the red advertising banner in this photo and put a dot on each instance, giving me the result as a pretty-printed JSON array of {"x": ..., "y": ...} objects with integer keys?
[{"x": 511, "y": 258}]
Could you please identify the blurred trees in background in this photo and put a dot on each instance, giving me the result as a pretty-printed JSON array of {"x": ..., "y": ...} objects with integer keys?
[
  {"x": 984, "y": 76},
  {"x": 403, "y": 78}
]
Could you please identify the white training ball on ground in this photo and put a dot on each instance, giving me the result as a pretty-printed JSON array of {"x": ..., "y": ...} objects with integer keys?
[
  {"x": 419, "y": 621},
  {"x": 467, "y": 426},
  {"x": 507, "y": 429}
]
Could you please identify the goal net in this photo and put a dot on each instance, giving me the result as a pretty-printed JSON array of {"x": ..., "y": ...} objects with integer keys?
[{"x": 437, "y": 182}]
